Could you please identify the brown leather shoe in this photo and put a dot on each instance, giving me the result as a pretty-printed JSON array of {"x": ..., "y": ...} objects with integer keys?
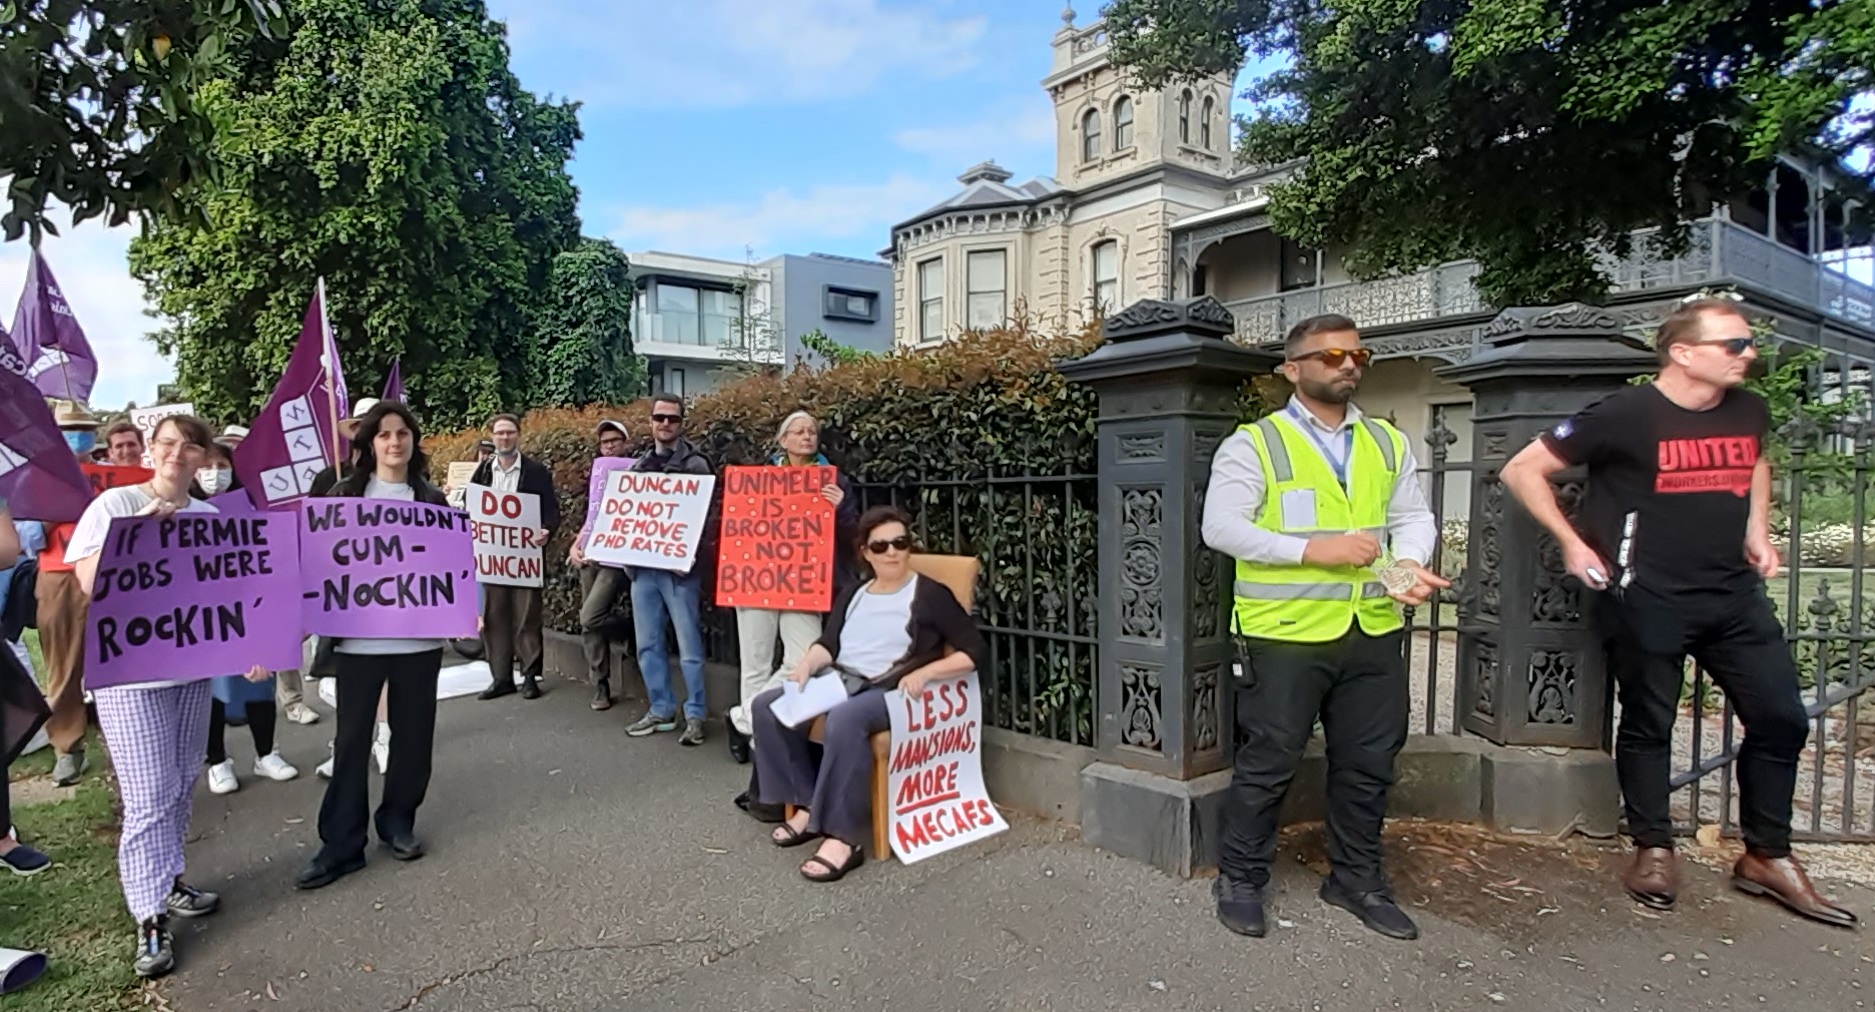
[
  {"x": 1782, "y": 879},
  {"x": 1652, "y": 877}
]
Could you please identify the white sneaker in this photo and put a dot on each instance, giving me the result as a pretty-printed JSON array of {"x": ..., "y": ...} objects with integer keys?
[
  {"x": 221, "y": 779},
  {"x": 300, "y": 713},
  {"x": 381, "y": 748},
  {"x": 273, "y": 767},
  {"x": 324, "y": 769}
]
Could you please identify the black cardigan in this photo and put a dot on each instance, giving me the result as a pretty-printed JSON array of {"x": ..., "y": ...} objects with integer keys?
[
  {"x": 535, "y": 479},
  {"x": 938, "y": 622}
]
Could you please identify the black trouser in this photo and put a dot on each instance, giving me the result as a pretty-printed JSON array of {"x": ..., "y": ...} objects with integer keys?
[
  {"x": 511, "y": 624},
  {"x": 1357, "y": 685},
  {"x": 1736, "y": 637},
  {"x": 261, "y": 719},
  {"x": 412, "y": 705}
]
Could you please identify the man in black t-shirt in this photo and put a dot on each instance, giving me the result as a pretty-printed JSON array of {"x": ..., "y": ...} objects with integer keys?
[{"x": 1675, "y": 535}]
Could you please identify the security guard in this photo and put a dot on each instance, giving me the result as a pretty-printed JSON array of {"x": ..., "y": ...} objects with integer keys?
[{"x": 1308, "y": 501}]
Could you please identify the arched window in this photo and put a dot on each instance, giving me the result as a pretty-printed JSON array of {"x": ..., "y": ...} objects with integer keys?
[
  {"x": 1122, "y": 123},
  {"x": 1090, "y": 135},
  {"x": 1184, "y": 117},
  {"x": 1106, "y": 275},
  {"x": 1204, "y": 122}
]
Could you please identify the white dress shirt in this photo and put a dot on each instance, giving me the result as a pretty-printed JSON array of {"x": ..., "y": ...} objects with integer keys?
[
  {"x": 504, "y": 479},
  {"x": 1238, "y": 486}
]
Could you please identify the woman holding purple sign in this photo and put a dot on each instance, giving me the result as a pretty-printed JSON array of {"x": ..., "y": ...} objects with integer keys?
[
  {"x": 156, "y": 731},
  {"x": 391, "y": 465}
]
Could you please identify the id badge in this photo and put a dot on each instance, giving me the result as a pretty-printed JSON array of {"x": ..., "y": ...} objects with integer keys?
[{"x": 1298, "y": 509}]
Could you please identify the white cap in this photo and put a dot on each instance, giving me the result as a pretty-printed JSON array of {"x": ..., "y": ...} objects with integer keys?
[
  {"x": 234, "y": 432},
  {"x": 363, "y": 407}
]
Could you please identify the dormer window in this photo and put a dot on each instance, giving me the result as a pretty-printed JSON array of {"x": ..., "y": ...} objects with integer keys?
[
  {"x": 1122, "y": 123},
  {"x": 1204, "y": 122},
  {"x": 1090, "y": 135},
  {"x": 1184, "y": 117}
]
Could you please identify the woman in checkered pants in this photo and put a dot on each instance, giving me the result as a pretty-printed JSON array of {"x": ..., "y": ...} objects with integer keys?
[{"x": 155, "y": 731}]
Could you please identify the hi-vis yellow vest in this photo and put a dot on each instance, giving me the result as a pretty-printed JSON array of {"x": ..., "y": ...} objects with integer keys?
[{"x": 1316, "y": 604}]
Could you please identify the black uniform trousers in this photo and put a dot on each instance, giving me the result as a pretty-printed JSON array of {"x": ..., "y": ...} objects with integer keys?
[{"x": 1357, "y": 686}]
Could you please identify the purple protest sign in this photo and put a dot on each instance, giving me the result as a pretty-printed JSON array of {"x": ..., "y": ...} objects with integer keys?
[
  {"x": 39, "y": 477},
  {"x": 193, "y": 596},
  {"x": 59, "y": 359},
  {"x": 595, "y": 489},
  {"x": 233, "y": 502},
  {"x": 295, "y": 437},
  {"x": 386, "y": 569}
]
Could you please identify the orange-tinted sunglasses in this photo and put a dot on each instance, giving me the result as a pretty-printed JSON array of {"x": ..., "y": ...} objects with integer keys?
[{"x": 1333, "y": 357}]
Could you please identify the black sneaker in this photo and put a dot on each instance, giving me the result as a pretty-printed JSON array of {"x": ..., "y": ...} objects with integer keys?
[
  {"x": 1376, "y": 909},
  {"x": 1240, "y": 907},
  {"x": 738, "y": 744},
  {"x": 156, "y": 949},
  {"x": 693, "y": 732},
  {"x": 186, "y": 900},
  {"x": 602, "y": 695}
]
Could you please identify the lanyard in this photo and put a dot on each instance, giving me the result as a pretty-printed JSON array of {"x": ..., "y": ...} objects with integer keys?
[{"x": 1340, "y": 464}]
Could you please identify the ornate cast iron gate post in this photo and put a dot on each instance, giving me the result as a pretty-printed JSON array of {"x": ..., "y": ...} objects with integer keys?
[
  {"x": 1168, "y": 382},
  {"x": 1530, "y": 669}
]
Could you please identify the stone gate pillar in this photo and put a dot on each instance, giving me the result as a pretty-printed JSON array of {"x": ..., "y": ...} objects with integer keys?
[
  {"x": 1530, "y": 671},
  {"x": 1168, "y": 381}
]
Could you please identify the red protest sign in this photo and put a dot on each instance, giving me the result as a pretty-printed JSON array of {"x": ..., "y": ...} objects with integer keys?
[
  {"x": 102, "y": 477},
  {"x": 777, "y": 539}
]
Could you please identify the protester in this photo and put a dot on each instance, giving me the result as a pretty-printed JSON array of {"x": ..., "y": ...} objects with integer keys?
[
  {"x": 234, "y": 697},
  {"x": 61, "y": 605},
  {"x": 896, "y": 630},
  {"x": 232, "y": 436},
  {"x": 1676, "y": 544},
  {"x": 658, "y": 594},
  {"x": 600, "y": 587},
  {"x": 156, "y": 731},
  {"x": 757, "y": 628},
  {"x": 17, "y": 695},
  {"x": 391, "y": 465},
  {"x": 123, "y": 444},
  {"x": 1302, "y": 500},
  {"x": 322, "y": 665},
  {"x": 19, "y": 583},
  {"x": 512, "y": 616}
]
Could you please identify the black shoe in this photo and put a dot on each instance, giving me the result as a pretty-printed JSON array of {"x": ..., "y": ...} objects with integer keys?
[
  {"x": 404, "y": 846},
  {"x": 738, "y": 744},
  {"x": 323, "y": 871},
  {"x": 602, "y": 695},
  {"x": 1240, "y": 907},
  {"x": 530, "y": 689},
  {"x": 499, "y": 689},
  {"x": 1375, "y": 909},
  {"x": 759, "y": 811}
]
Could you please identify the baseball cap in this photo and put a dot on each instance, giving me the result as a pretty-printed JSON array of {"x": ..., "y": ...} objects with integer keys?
[{"x": 607, "y": 423}]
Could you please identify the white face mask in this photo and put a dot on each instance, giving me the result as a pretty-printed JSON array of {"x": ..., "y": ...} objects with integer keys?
[{"x": 214, "y": 480}]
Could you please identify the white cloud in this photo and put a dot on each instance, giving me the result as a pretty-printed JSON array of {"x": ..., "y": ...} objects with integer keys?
[
  {"x": 1012, "y": 132},
  {"x": 91, "y": 266},
  {"x": 725, "y": 53},
  {"x": 780, "y": 221}
]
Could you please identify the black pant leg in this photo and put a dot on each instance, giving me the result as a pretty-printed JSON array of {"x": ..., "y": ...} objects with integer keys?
[
  {"x": 348, "y": 794},
  {"x": 1644, "y": 642},
  {"x": 1275, "y": 716},
  {"x": 217, "y": 732},
  {"x": 1364, "y": 718},
  {"x": 412, "y": 705},
  {"x": 1750, "y": 660},
  {"x": 262, "y": 721}
]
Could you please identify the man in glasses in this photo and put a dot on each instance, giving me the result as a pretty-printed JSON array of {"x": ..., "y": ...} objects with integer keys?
[
  {"x": 1322, "y": 509},
  {"x": 660, "y": 592},
  {"x": 512, "y": 617},
  {"x": 600, "y": 587},
  {"x": 1675, "y": 536}
]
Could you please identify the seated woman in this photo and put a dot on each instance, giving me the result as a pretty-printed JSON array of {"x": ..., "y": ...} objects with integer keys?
[{"x": 896, "y": 630}]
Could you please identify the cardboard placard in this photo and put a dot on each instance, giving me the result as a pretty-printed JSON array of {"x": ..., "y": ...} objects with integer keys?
[
  {"x": 935, "y": 786},
  {"x": 777, "y": 543},
  {"x": 651, "y": 520},
  {"x": 386, "y": 569},
  {"x": 509, "y": 551}
]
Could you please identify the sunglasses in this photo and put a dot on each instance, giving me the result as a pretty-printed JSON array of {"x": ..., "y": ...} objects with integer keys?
[
  {"x": 668, "y": 419},
  {"x": 901, "y": 543},
  {"x": 1333, "y": 357},
  {"x": 1734, "y": 346}
]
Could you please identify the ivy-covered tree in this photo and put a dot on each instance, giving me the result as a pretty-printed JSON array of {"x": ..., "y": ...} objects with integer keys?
[
  {"x": 586, "y": 352},
  {"x": 1525, "y": 133},
  {"x": 389, "y": 149},
  {"x": 96, "y": 103}
]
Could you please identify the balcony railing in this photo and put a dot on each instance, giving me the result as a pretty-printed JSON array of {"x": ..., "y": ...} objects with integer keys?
[
  {"x": 680, "y": 335},
  {"x": 1719, "y": 251}
]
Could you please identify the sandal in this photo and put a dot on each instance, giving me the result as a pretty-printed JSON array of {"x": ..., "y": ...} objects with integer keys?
[
  {"x": 854, "y": 859},
  {"x": 788, "y": 836}
]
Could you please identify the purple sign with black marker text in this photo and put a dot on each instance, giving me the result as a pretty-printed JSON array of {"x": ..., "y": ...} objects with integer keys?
[
  {"x": 386, "y": 569},
  {"x": 595, "y": 489},
  {"x": 193, "y": 596}
]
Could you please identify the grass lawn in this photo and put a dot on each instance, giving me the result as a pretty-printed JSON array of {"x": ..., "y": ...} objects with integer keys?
[{"x": 73, "y": 912}]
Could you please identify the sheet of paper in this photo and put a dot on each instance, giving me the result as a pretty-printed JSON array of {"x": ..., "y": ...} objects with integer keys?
[{"x": 796, "y": 706}]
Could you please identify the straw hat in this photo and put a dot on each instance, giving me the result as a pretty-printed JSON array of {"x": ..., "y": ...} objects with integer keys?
[{"x": 72, "y": 415}]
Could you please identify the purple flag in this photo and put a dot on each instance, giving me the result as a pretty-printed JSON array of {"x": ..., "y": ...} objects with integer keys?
[
  {"x": 383, "y": 568},
  {"x": 39, "y": 477},
  {"x": 193, "y": 596},
  {"x": 296, "y": 435},
  {"x": 59, "y": 359},
  {"x": 394, "y": 383}
]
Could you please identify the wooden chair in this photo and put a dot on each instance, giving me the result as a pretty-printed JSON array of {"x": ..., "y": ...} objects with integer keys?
[{"x": 959, "y": 573}]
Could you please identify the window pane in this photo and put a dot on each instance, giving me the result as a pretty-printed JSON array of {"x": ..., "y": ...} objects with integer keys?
[
  {"x": 931, "y": 320},
  {"x": 931, "y": 279},
  {"x": 675, "y": 299},
  {"x": 1090, "y": 136},
  {"x": 1123, "y": 124},
  {"x": 985, "y": 271},
  {"x": 1106, "y": 261},
  {"x": 859, "y": 305}
]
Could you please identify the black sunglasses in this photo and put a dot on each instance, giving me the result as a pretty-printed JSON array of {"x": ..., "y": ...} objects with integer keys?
[
  {"x": 879, "y": 547},
  {"x": 1734, "y": 346},
  {"x": 668, "y": 419},
  {"x": 1333, "y": 357}
]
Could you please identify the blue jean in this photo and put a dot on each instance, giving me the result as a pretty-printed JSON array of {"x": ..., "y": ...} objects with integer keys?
[{"x": 657, "y": 593}]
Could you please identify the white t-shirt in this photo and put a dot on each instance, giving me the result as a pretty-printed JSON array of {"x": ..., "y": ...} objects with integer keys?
[
  {"x": 89, "y": 533},
  {"x": 375, "y": 489},
  {"x": 877, "y": 633}
]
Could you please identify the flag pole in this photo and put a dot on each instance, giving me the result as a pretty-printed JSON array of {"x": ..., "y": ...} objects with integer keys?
[{"x": 329, "y": 362}]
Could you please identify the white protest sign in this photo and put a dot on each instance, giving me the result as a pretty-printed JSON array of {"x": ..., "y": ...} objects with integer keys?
[
  {"x": 651, "y": 520},
  {"x": 506, "y": 526},
  {"x": 935, "y": 788},
  {"x": 145, "y": 420}
]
